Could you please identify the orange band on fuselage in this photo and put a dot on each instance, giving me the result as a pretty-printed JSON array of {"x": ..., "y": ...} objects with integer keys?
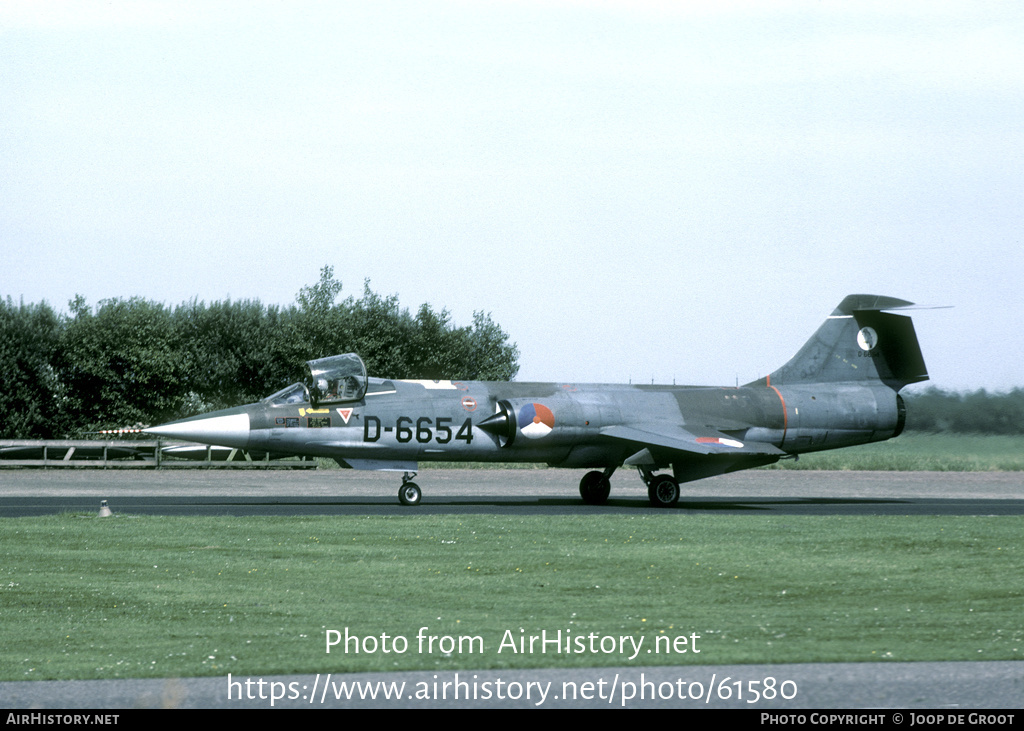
[{"x": 785, "y": 414}]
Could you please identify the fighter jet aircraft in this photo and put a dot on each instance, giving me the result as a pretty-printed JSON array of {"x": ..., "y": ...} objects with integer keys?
[{"x": 840, "y": 389}]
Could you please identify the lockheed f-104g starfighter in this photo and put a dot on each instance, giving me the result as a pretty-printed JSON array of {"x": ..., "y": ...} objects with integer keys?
[{"x": 840, "y": 389}]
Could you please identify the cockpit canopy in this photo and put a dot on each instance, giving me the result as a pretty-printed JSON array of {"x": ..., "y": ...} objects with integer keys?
[
  {"x": 336, "y": 378},
  {"x": 333, "y": 379}
]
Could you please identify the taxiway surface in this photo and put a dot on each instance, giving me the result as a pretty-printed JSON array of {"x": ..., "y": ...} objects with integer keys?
[{"x": 517, "y": 491}]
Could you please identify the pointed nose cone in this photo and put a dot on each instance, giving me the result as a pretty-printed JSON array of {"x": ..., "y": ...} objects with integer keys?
[{"x": 222, "y": 429}]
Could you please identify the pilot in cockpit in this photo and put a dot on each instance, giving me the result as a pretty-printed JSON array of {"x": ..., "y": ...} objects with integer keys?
[{"x": 329, "y": 389}]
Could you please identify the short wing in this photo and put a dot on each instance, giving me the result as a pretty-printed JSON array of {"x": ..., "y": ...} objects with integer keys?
[{"x": 701, "y": 440}]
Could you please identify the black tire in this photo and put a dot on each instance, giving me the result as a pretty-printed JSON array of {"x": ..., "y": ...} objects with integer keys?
[
  {"x": 409, "y": 494},
  {"x": 594, "y": 488},
  {"x": 663, "y": 491}
]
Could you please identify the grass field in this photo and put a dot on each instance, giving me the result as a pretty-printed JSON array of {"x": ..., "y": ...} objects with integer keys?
[{"x": 137, "y": 596}]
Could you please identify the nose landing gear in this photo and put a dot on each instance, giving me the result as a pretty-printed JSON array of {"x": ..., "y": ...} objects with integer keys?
[{"x": 409, "y": 493}]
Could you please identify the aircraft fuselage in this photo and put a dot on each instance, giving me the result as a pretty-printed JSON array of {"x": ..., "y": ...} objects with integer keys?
[
  {"x": 423, "y": 421},
  {"x": 841, "y": 389}
]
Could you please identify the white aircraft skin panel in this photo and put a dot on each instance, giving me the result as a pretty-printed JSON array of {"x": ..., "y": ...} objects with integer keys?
[
  {"x": 431, "y": 385},
  {"x": 230, "y": 431}
]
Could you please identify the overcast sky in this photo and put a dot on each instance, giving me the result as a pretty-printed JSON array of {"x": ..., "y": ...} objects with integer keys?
[{"x": 634, "y": 190}]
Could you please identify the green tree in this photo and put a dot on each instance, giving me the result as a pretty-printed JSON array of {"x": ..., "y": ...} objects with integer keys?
[
  {"x": 129, "y": 362},
  {"x": 974, "y": 412},
  {"x": 121, "y": 365},
  {"x": 324, "y": 326},
  {"x": 236, "y": 352},
  {"x": 379, "y": 334},
  {"x": 30, "y": 395},
  {"x": 439, "y": 350},
  {"x": 491, "y": 356},
  {"x": 434, "y": 348}
]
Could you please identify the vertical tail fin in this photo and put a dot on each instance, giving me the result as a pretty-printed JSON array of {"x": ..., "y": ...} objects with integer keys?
[{"x": 859, "y": 342}]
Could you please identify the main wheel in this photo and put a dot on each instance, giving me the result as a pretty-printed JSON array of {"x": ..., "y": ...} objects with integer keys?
[
  {"x": 663, "y": 491},
  {"x": 594, "y": 488},
  {"x": 409, "y": 494}
]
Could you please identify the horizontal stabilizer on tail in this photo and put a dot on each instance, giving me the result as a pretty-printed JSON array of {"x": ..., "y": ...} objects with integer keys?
[{"x": 859, "y": 342}]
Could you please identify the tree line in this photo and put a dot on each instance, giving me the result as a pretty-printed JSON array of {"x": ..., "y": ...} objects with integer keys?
[
  {"x": 972, "y": 412},
  {"x": 130, "y": 362}
]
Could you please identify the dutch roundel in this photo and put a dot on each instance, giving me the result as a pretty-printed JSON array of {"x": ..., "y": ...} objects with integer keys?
[
  {"x": 720, "y": 442},
  {"x": 536, "y": 421}
]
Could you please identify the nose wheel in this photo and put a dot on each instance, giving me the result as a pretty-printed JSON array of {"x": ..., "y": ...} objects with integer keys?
[{"x": 409, "y": 493}]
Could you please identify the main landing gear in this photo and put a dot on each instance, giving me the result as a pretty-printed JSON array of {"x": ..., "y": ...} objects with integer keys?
[
  {"x": 409, "y": 493},
  {"x": 662, "y": 490},
  {"x": 595, "y": 486}
]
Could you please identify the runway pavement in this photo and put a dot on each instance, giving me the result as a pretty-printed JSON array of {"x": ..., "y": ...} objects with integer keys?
[{"x": 517, "y": 491}]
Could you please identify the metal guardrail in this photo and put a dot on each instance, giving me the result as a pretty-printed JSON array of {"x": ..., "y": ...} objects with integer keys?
[{"x": 137, "y": 454}]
